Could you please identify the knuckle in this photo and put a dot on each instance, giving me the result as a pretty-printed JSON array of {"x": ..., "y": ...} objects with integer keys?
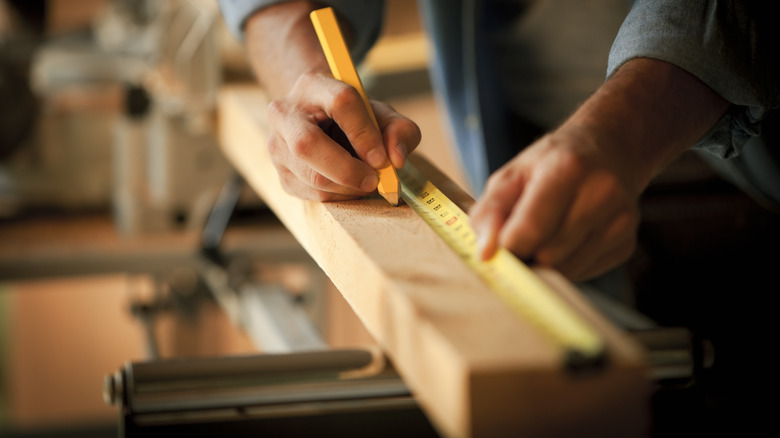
[
  {"x": 492, "y": 180},
  {"x": 303, "y": 144},
  {"x": 306, "y": 79},
  {"x": 274, "y": 146},
  {"x": 500, "y": 177},
  {"x": 363, "y": 135},
  {"x": 613, "y": 185},
  {"x": 405, "y": 127},
  {"x": 307, "y": 76},
  {"x": 606, "y": 191},
  {"x": 344, "y": 98},
  {"x": 506, "y": 177},
  {"x": 276, "y": 109},
  {"x": 569, "y": 163}
]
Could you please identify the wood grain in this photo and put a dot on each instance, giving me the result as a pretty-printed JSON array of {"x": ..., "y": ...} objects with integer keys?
[{"x": 477, "y": 369}]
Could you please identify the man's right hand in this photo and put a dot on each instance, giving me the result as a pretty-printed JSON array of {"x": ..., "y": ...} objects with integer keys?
[
  {"x": 314, "y": 117},
  {"x": 314, "y": 126}
]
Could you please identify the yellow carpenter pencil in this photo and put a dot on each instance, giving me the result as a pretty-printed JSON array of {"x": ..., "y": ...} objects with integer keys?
[{"x": 343, "y": 69}]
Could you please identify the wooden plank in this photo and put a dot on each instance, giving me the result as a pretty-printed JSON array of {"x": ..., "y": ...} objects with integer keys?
[{"x": 477, "y": 369}]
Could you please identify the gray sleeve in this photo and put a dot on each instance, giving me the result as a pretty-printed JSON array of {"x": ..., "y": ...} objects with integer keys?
[
  {"x": 363, "y": 18},
  {"x": 726, "y": 44}
]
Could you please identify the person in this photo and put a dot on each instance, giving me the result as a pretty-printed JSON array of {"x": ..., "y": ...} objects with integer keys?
[{"x": 680, "y": 75}]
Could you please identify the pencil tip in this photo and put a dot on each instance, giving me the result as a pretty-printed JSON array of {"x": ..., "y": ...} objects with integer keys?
[
  {"x": 389, "y": 185},
  {"x": 391, "y": 197}
]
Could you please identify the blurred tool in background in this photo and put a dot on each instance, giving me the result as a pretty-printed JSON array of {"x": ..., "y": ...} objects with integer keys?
[{"x": 123, "y": 102}]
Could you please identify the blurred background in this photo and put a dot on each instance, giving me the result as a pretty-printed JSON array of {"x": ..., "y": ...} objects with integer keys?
[{"x": 109, "y": 172}]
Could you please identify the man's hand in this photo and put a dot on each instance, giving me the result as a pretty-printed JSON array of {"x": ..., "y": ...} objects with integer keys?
[
  {"x": 314, "y": 125},
  {"x": 560, "y": 203},
  {"x": 313, "y": 116},
  {"x": 570, "y": 199}
]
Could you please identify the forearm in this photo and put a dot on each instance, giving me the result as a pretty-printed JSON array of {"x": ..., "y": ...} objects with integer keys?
[
  {"x": 282, "y": 45},
  {"x": 646, "y": 114}
]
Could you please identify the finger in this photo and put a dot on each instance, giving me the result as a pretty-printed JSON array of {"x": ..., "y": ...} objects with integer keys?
[
  {"x": 602, "y": 250},
  {"x": 314, "y": 154},
  {"x": 344, "y": 104},
  {"x": 401, "y": 135},
  {"x": 297, "y": 188},
  {"x": 320, "y": 176},
  {"x": 597, "y": 202},
  {"x": 280, "y": 157},
  {"x": 491, "y": 211},
  {"x": 540, "y": 212}
]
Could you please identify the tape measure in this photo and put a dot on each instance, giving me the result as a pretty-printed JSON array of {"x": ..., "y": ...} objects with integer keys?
[{"x": 519, "y": 287}]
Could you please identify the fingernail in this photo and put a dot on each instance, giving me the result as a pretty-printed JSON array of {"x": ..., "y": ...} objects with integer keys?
[
  {"x": 482, "y": 242},
  {"x": 375, "y": 158},
  {"x": 369, "y": 183},
  {"x": 485, "y": 247},
  {"x": 401, "y": 149},
  {"x": 399, "y": 157}
]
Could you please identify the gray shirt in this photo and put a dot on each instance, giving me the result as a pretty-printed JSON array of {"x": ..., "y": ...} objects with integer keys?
[{"x": 726, "y": 44}]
